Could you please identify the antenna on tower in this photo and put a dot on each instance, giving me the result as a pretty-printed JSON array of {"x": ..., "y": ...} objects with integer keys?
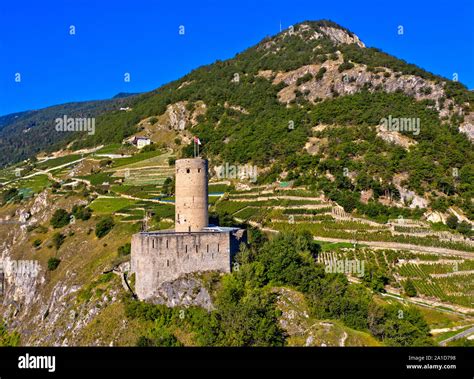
[{"x": 197, "y": 142}]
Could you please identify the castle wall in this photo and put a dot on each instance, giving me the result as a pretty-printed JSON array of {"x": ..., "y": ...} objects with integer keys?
[{"x": 161, "y": 257}]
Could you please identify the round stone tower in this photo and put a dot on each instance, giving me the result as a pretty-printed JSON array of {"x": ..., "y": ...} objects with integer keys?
[{"x": 191, "y": 204}]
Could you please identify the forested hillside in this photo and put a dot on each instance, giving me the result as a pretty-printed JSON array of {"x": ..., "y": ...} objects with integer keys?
[{"x": 25, "y": 134}]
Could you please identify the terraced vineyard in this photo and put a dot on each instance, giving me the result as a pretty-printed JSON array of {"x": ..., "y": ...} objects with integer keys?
[
  {"x": 435, "y": 278},
  {"x": 303, "y": 210},
  {"x": 333, "y": 230}
]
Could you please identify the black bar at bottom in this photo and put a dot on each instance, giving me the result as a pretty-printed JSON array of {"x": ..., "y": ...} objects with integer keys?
[{"x": 366, "y": 362}]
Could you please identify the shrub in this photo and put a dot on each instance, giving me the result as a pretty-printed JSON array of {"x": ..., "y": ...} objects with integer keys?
[
  {"x": 345, "y": 66},
  {"x": 124, "y": 250},
  {"x": 320, "y": 73},
  {"x": 409, "y": 288},
  {"x": 426, "y": 90},
  {"x": 374, "y": 278},
  {"x": 168, "y": 186},
  {"x": 452, "y": 222},
  {"x": 105, "y": 162},
  {"x": 58, "y": 240},
  {"x": 464, "y": 228},
  {"x": 9, "y": 195},
  {"x": 405, "y": 327},
  {"x": 53, "y": 263},
  {"x": 305, "y": 78},
  {"x": 104, "y": 226},
  {"x": 80, "y": 212},
  {"x": 60, "y": 219}
]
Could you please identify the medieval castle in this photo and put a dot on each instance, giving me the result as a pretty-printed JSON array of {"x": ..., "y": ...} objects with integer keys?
[{"x": 194, "y": 245}]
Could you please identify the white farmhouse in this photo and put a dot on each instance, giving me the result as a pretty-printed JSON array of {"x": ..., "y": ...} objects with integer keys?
[{"x": 141, "y": 142}]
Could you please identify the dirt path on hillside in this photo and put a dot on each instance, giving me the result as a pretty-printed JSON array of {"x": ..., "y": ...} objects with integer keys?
[
  {"x": 44, "y": 172},
  {"x": 137, "y": 198},
  {"x": 283, "y": 197}
]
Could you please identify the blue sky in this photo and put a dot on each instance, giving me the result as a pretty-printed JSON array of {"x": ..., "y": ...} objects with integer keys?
[{"x": 141, "y": 37}]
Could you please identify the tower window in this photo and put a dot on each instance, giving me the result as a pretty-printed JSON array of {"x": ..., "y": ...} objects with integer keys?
[
  {"x": 199, "y": 170},
  {"x": 208, "y": 248},
  {"x": 188, "y": 170},
  {"x": 153, "y": 243},
  {"x": 166, "y": 243},
  {"x": 167, "y": 263},
  {"x": 186, "y": 248},
  {"x": 217, "y": 247},
  {"x": 196, "y": 248}
]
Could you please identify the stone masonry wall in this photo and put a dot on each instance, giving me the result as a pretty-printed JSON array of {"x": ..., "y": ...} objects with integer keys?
[
  {"x": 162, "y": 257},
  {"x": 191, "y": 204}
]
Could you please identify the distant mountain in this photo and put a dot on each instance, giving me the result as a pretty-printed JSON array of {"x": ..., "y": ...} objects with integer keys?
[
  {"x": 11, "y": 118},
  {"x": 24, "y": 134},
  {"x": 122, "y": 95}
]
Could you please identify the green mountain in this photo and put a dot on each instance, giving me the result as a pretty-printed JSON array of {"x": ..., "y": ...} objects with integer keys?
[{"x": 270, "y": 106}]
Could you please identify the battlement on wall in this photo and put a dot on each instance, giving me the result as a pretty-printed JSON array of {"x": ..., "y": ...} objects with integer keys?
[{"x": 163, "y": 256}]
